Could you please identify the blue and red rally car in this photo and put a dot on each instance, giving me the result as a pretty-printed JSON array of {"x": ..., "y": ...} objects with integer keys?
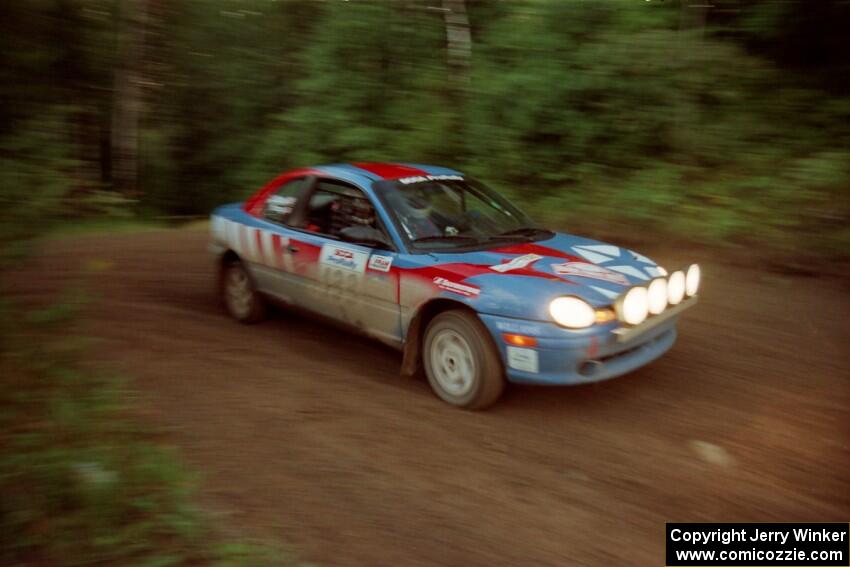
[{"x": 434, "y": 263}]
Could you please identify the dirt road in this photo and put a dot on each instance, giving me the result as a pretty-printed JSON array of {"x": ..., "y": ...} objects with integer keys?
[{"x": 307, "y": 434}]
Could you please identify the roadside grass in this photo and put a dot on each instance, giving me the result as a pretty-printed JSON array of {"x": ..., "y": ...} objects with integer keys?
[
  {"x": 81, "y": 481},
  {"x": 106, "y": 225}
]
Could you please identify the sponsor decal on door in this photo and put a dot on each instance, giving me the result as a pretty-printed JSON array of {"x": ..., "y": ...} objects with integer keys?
[
  {"x": 380, "y": 263},
  {"x": 343, "y": 258}
]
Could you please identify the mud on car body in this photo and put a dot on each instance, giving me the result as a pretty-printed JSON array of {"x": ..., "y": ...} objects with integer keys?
[{"x": 434, "y": 263}]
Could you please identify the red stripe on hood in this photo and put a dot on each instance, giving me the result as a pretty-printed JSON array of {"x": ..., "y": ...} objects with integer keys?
[
  {"x": 390, "y": 170},
  {"x": 465, "y": 271}
]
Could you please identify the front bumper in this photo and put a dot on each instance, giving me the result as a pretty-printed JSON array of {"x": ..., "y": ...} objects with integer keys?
[{"x": 564, "y": 356}]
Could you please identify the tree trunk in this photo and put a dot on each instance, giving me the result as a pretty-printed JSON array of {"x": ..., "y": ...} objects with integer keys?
[
  {"x": 127, "y": 96},
  {"x": 458, "y": 39}
]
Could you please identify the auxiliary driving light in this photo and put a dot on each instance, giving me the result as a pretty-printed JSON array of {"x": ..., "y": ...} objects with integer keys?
[
  {"x": 676, "y": 287},
  {"x": 692, "y": 280},
  {"x": 657, "y": 292},
  {"x": 635, "y": 306}
]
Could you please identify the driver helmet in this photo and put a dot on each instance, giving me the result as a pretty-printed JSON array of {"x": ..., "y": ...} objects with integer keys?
[{"x": 417, "y": 205}]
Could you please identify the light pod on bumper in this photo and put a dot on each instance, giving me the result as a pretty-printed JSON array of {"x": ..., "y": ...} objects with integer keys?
[
  {"x": 676, "y": 287},
  {"x": 572, "y": 312},
  {"x": 692, "y": 280},
  {"x": 634, "y": 306},
  {"x": 657, "y": 295}
]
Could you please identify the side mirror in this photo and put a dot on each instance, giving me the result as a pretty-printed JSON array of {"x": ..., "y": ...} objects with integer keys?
[{"x": 365, "y": 235}]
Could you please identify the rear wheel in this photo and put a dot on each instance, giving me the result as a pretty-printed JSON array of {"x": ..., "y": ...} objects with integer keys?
[
  {"x": 240, "y": 297},
  {"x": 461, "y": 361}
]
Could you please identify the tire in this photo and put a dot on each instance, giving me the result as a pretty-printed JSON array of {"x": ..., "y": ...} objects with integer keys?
[
  {"x": 239, "y": 294},
  {"x": 461, "y": 361}
]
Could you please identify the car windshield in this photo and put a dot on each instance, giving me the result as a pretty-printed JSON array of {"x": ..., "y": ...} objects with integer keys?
[{"x": 451, "y": 211}]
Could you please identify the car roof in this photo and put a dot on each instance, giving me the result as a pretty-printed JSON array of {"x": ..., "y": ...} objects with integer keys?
[{"x": 363, "y": 173}]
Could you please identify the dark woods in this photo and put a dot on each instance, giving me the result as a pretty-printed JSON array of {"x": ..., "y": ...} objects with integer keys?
[{"x": 727, "y": 123}]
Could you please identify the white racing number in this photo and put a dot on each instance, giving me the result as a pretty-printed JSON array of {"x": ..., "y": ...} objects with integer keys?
[
  {"x": 339, "y": 283},
  {"x": 342, "y": 271},
  {"x": 341, "y": 268},
  {"x": 355, "y": 286}
]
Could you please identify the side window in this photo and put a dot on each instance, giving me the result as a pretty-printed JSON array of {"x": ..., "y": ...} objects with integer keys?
[
  {"x": 335, "y": 206},
  {"x": 279, "y": 206}
]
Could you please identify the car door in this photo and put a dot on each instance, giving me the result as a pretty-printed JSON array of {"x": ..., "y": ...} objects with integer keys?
[
  {"x": 348, "y": 282},
  {"x": 272, "y": 266}
]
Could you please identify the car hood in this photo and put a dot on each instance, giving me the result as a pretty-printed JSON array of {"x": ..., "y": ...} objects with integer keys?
[{"x": 520, "y": 279}]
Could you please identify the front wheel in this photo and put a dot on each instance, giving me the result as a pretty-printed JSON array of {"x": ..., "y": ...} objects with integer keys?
[
  {"x": 461, "y": 361},
  {"x": 240, "y": 298}
]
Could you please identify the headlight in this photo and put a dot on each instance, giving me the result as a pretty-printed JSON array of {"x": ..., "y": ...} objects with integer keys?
[
  {"x": 572, "y": 312},
  {"x": 676, "y": 287},
  {"x": 657, "y": 293},
  {"x": 635, "y": 306},
  {"x": 692, "y": 280}
]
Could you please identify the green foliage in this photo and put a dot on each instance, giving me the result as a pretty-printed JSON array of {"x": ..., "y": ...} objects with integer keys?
[
  {"x": 591, "y": 112},
  {"x": 34, "y": 171},
  {"x": 603, "y": 122},
  {"x": 371, "y": 86}
]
